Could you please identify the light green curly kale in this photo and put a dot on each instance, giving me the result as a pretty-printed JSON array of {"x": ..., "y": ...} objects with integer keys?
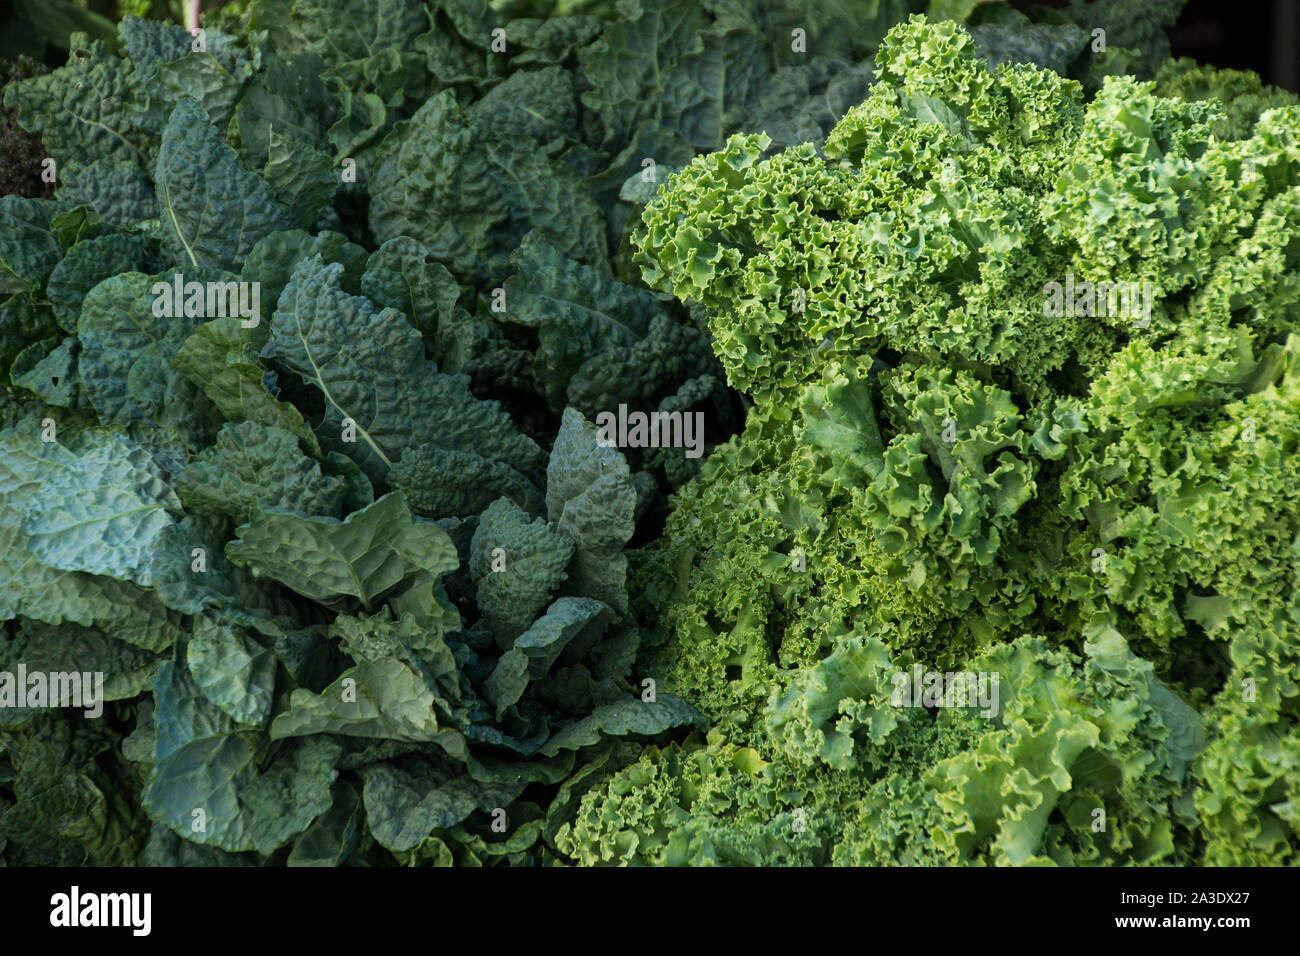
[{"x": 956, "y": 466}]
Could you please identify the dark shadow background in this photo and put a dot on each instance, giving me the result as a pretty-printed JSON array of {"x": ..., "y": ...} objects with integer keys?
[{"x": 1259, "y": 35}]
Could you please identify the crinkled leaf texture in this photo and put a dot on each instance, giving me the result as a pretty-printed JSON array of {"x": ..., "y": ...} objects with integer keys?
[
  {"x": 370, "y": 368},
  {"x": 364, "y": 556}
]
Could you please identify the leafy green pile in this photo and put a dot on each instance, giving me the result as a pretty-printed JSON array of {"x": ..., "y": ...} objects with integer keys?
[
  {"x": 941, "y": 473},
  {"x": 352, "y": 560},
  {"x": 231, "y": 517}
]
